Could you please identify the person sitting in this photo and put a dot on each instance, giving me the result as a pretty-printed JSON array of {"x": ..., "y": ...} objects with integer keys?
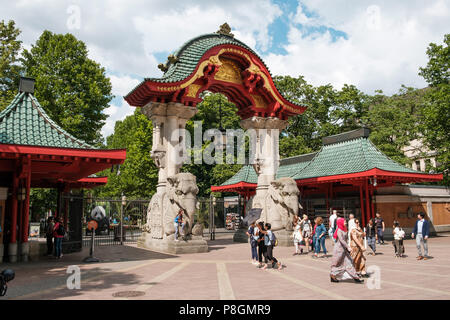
[{"x": 179, "y": 224}]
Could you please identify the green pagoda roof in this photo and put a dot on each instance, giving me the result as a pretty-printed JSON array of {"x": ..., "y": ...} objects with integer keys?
[
  {"x": 346, "y": 153},
  {"x": 341, "y": 156},
  {"x": 24, "y": 122},
  {"x": 288, "y": 167}
]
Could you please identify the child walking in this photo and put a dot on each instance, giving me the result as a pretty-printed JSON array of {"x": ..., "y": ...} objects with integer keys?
[{"x": 399, "y": 234}]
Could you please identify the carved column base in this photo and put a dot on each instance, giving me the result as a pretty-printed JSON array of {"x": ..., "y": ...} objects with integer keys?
[{"x": 196, "y": 244}]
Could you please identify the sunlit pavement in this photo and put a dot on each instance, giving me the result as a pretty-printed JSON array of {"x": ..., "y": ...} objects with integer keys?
[{"x": 225, "y": 272}]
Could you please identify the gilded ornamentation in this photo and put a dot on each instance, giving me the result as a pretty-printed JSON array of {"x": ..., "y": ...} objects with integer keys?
[
  {"x": 229, "y": 72},
  {"x": 193, "y": 89},
  {"x": 225, "y": 29},
  {"x": 259, "y": 102}
]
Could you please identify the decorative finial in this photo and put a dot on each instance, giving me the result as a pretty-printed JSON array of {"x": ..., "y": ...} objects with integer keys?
[
  {"x": 163, "y": 67},
  {"x": 172, "y": 58},
  {"x": 225, "y": 29}
]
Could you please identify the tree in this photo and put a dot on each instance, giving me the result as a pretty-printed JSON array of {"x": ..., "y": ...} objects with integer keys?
[
  {"x": 138, "y": 174},
  {"x": 435, "y": 120},
  {"x": 10, "y": 68},
  {"x": 72, "y": 88},
  {"x": 393, "y": 121},
  {"x": 208, "y": 113}
]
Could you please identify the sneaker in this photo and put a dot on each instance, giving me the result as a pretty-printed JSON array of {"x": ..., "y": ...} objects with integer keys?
[
  {"x": 425, "y": 258},
  {"x": 419, "y": 258}
]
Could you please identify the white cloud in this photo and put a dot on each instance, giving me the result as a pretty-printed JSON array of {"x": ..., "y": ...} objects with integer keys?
[
  {"x": 385, "y": 45},
  {"x": 116, "y": 112}
]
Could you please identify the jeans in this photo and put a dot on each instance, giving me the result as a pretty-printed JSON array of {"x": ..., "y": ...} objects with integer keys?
[
  {"x": 261, "y": 251},
  {"x": 398, "y": 246},
  {"x": 319, "y": 242},
  {"x": 371, "y": 242},
  {"x": 419, "y": 240},
  {"x": 380, "y": 235},
  {"x": 177, "y": 227},
  {"x": 269, "y": 255},
  {"x": 58, "y": 247},
  {"x": 253, "y": 245}
]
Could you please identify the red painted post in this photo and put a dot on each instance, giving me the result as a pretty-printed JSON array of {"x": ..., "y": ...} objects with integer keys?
[
  {"x": 14, "y": 209},
  {"x": 372, "y": 203},
  {"x": 26, "y": 212},
  {"x": 367, "y": 201},
  {"x": 361, "y": 201}
]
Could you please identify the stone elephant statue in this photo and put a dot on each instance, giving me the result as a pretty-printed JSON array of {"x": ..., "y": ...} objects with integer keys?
[
  {"x": 180, "y": 193},
  {"x": 280, "y": 204}
]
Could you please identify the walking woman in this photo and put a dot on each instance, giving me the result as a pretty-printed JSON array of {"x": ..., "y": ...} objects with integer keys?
[
  {"x": 260, "y": 240},
  {"x": 306, "y": 228},
  {"x": 342, "y": 265},
  {"x": 357, "y": 249},
  {"x": 319, "y": 237},
  {"x": 297, "y": 236},
  {"x": 269, "y": 244}
]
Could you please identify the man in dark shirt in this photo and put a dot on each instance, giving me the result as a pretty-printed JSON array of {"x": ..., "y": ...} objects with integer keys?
[
  {"x": 379, "y": 222},
  {"x": 371, "y": 234}
]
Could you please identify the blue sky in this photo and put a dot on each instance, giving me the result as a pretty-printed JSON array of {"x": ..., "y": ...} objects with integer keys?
[{"x": 377, "y": 44}]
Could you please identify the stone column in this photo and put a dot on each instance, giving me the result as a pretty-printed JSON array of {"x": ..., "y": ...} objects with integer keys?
[
  {"x": 267, "y": 158},
  {"x": 169, "y": 121},
  {"x": 175, "y": 190}
]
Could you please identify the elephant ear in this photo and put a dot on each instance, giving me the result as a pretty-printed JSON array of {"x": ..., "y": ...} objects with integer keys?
[{"x": 274, "y": 191}]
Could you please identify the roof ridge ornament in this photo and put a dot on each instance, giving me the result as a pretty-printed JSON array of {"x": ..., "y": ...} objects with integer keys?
[{"x": 225, "y": 30}]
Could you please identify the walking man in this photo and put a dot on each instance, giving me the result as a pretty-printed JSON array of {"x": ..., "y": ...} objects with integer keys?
[
  {"x": 379, "y": 222},
  {"x": 332, "y": 225},
  {"x": 421, "y": 231},
  {"x": 371, "y": 235}
]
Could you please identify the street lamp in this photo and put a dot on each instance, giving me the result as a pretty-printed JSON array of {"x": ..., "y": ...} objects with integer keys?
[{"x": 124, "y": 202}]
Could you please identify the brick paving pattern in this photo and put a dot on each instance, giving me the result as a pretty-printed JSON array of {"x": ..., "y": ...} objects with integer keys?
[{"x": 225, "y": 272}]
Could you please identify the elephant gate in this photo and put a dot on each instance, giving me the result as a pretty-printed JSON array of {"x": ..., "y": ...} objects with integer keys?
[{"x": 215, "y": 62}]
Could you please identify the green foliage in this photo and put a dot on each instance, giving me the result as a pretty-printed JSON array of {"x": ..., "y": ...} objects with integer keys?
[
  {"x": 208, "y": 114},
  {"x": 393, "y": 121},
  {"x": 435, "y": 124},
  {"x": 72, "y": 88},
  {"x": 41, "y": 201},
  {"x": 138, "y": 174},
  {"x": 329, "y": 112},
  {"x": 10, "y": 68}
]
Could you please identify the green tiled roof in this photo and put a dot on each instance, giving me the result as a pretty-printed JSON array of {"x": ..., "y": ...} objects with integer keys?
[
  {"x": 351, "y": 156},
  {"x": 346, "y": 153},
  {"x": 288, "y": 167},
  {"x": 190, "y": 54},
  {"x": 24, "y": 122}
]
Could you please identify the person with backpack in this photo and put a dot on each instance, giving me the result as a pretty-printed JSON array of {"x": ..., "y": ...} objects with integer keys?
[
  {"x": 58, "y": 233},
  {"x": 49, "y": 235},
  {"x": 399, "y": 234},
  {"x": 253, "y": 243},
  {"x": 270, "y": 242}
]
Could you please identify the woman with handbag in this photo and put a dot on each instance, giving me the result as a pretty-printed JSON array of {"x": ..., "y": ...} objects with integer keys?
[{"x": 357, "y": 248}]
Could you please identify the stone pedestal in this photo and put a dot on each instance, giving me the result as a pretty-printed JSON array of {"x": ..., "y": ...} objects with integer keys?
[
  {"x": 241, "y": 236},
  {"x": 12, "y": 252},
  {"x": 285, "y": 238},
  {"x": 194, "y": 244}
]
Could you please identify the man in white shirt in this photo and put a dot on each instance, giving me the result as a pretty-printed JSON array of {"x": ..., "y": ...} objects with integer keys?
[
  {"x": 351, "y": 225},
  {"x": 331, "y": 228}
]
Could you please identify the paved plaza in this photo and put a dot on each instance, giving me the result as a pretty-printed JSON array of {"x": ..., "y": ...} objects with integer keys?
[{"x": 225, "y": 272}]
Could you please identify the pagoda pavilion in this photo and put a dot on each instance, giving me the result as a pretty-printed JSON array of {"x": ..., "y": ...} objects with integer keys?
[
  {"x": 35, "y": 152},
  {"x": 347, "y": 169}
]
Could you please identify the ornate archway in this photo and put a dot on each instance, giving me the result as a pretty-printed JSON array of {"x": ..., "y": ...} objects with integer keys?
[{"x": 215, "y": 62}]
